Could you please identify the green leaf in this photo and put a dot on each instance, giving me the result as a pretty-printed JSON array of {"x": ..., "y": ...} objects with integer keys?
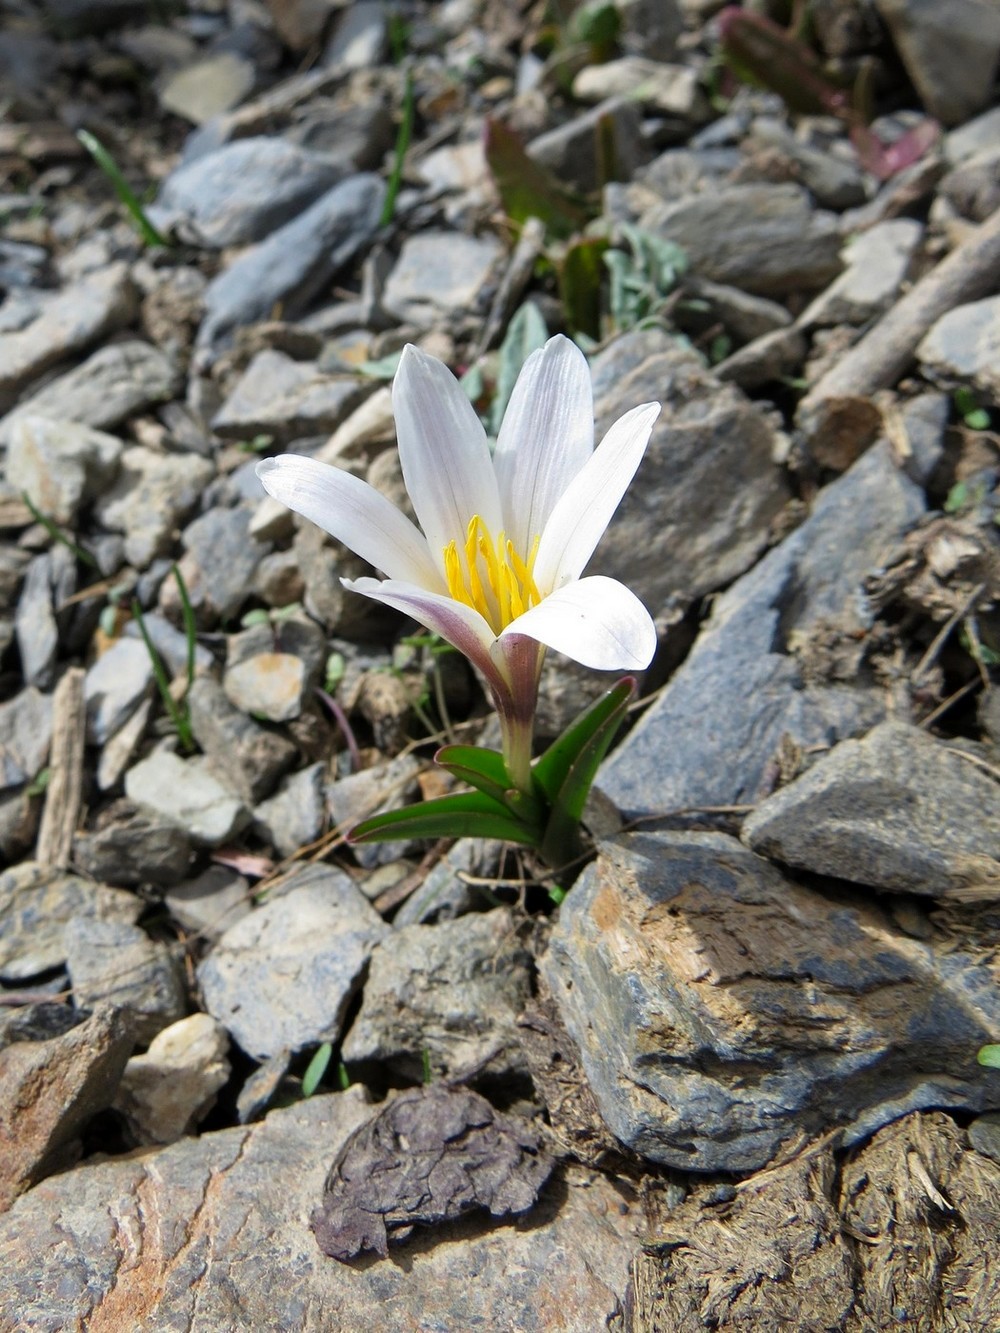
[
  {"x": 762, "y": 54},
  {"x": 579, "y": 277},
  {"x": 527, "y": 189},
  {"x": 469, "y": 814},
  {"x": 526, "y": 332},
  {"x": 989, "y": 1056},
  {"x": 486, "y": 771},
  {"x": 403, "y": 137},
  {"x": 552, "y": 769},
  {"x": 122, "y": 189},
  {"x": 317, "y": 1067}
]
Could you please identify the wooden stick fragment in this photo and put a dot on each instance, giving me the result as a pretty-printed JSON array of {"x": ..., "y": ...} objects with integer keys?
[{"x": 64, "y": 792}]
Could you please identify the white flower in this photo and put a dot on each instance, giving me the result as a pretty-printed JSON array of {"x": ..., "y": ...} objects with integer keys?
[{"x": 495, "y": 567}]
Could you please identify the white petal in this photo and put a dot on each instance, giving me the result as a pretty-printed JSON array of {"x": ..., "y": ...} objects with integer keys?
[
  {"x": 354, "y": 512},
  {"x": 460, "y": 625},
  {"x": 443, "y": 452},
  {"x": 596, "y": 621},
  {"x": 586, "y": 507},
  {"x": 546, "y": 437}
]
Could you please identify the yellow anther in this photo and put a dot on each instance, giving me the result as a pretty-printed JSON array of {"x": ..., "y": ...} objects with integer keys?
[{"x": 493, "y": 578}]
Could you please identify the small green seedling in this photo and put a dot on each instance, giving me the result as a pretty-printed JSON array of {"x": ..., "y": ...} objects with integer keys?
[{"x": 126, "y": 195}]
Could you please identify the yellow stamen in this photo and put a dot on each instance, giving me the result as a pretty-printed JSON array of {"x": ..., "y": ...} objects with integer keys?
[{"x": 493, "y": 578}]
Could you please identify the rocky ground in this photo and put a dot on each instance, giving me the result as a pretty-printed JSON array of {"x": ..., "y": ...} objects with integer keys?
[{"x": 731, "y": 1082}]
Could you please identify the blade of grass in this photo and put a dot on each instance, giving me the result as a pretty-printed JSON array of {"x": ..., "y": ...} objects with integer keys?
[
  {"x": 124, "y": 191},
  {"x": 313, "y": 1076},
  {"x": 57, "y": 534},
  {"x": 190, "y": 629},
  {"x": 178, "y": 716},
  {"x": 402, "y": 144}
]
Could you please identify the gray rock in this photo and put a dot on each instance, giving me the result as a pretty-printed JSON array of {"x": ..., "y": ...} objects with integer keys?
[
  {"x": 897, "y": 810},
  {"x": 294, "y": 815},
  {"x": 720, "y": 1009},
  {"x": 109, "y": 386},
  {"x": 134, "y": 848},
  {"x": 62, "y": 1249},
  {"x": 86, "y": 311},
  {"x": 25, "y": 733},
  {"x": 243, "y": 191},
  {"x": 286, "y": 400},
  {"x": 444, "y": 895},
  {"x": 168, "y": 1089},
  {"x": 440, "y": 273},
  {"x": 700, "y": 507},
  {"x": 745, "y": 316},
  {"x": 764, "y": 238},
  {"x": 170, "y": 642},
  {"x": 717, "y": 727},
  {"x": 385, "y": 786},
  {"x": 13, "y": 563},
  {"x": 453, "y": 990},
  {"x": 20, "y": 815},
  {"x": 767, "y": 359},
  {"x": 153, "y": 494},
  {"x": 974, "y": 137},
  {"x": 670, "y": 90},
  {"x": 35, "y": 904},
  {"x": 35, "y": 623},
  {"x": 249, "y": 758},
  {"x": 187, "y": 792},
  {"x": 282, "y": 978},
  {"x": 115, "y": 686},
  {"x": 833, "y": 181},
  {"x": 570, "y": 152},
  {"x": 965, "y": 344},
  {"x": 211, "y": 902},
  {"x": 877, "y": 264},
  {"x": 973, "y": 188},
  {"x": 117, "y": 963},
  {"x": 49, "y": 1090},
  {"x": 270, "y": 685},
  {"x": 296, "y": 261},
  {"x": 121, "y": 748},
  {"x": 60, "y": 464},
  {"x": 360, "y": 39},
  {"x": 206, "y": 88},
  {"x": 950, "y": 49},
  {"x": 220, "y": 562}
]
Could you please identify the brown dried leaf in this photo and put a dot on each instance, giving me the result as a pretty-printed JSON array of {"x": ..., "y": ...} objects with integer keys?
[{"x": 429, "y": 1155}]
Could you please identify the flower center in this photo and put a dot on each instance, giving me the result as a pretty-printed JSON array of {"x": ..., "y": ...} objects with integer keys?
[{"x": 490, "y": 576}]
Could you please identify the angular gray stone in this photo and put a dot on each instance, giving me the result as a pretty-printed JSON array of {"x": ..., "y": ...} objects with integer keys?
[
  {"x": 133, "y": 848},
  {"x": 877, "y": 263},
  {"x": 570, "y": 152},
  {"x": 718, "y": 726},
  {"x": 204, "y": 89},
  {"x": 243, "y": 191},
  {"x": 286, "y": 400},
  {"x": 35, "y": 623},
  {"x": 25, "y": 733},
  {"x": 211, "y": 902},
  {"x": 443, "y": 895},
  {"x": 700, "y": 507},
  {"x": 440, "y": 273},
  {"x": 453, "y": 990},
  {"x": 35, "y": 904},
  {"x": 744, "y": 315},
  {"x": 60, "y": 464},
  {"x": 249, "y": 758},
  {"x": 282, "y": 977},
  {"x": 670, "y": 90},
  {"x": 167, "y": 1090},
  {"x": 79, "y": 316},
  {"x": 834, "y": 181},
  {"x": 115, "y": 686},
  {"x": 764, "y": 238},
  {"x": 117, "y": 963},
  {"x": 153, "y": 493},
  {"x": 49, "y": 1089},
  {"x": 897, "y": 810},
  {"x": 294, "y": 815},
  {"x": 296, "y": 261},
  {"x": 950, "y": 49},
  {"x": 720, "y": 1009},
  {"x": 68, "y": 1249},
  {"x": 109, "y": 386},
  {"x": 269, "y": 685},
  {"x": 187, "y": 792},
  {"x": 965, "y": 344},
  {"x": 221, "y": 561}
]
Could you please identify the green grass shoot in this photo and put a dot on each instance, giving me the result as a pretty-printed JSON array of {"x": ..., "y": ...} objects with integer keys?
[
  {"x": 402, "y": 144},
  {"x": 57, "y": 534},
  {"x": 124, "y": 191}
]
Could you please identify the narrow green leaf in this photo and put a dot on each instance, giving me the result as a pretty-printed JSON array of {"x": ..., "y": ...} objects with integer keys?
[
  {"x": 399, "y": 156},
  {"x": 552, "y": 768},
  {"x": 317, "y": 1067},
  {"x": 178, "y": 715},
  {"x": 190, "y": 628},
  {"x": 469, "y": 814},
  {"x": 122, "y": 189},
  {"x": 761, "y": 53},
  {"x": 527, "y": 189},
  {"x": 579, "y": 277},
  {"x": 57, "y": 534},
  {"x": 486, "y": 771},
  {"x": 989, "y": 1056}
]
